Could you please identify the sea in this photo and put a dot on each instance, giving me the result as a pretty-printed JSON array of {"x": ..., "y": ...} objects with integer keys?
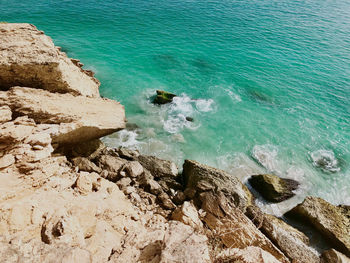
[{"x": 266, "y": 82}]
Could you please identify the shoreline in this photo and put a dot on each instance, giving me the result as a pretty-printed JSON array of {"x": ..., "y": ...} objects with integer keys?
[{"x": 70, "y": 198}]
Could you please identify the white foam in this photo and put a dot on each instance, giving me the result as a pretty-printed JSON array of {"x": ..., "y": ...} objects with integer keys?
[
  {"x": 326, "y": 160},
  {"x": 204, "y": 105},
  {"x": 234, "y": 97},
  {"x": 266, "y": 155},
  {"x": 124, "y": 138}
]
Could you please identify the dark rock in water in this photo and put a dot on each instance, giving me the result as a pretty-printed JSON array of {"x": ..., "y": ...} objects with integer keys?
[
  {"x": 333, "y": 256},
  {"x": 131, "y": 126},
  {"x": 163, "y": 97},
  {"x": 189, "y": 119},
  {"x": 273, "y": 188},
  {"x": 293, "y": 243},
  {"x": 330, "y": 220}
]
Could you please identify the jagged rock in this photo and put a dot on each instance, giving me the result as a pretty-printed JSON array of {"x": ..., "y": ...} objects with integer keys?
[
  {"x": 84, "y": 182},
  {"x": 86, "y": 165},
  {"x": 201, "y": 178},
  {"x": 29, "y": 58},
  {"x": 5, "y": 114},
  {"x": 112, "y": 164},
  {"x": 273, "y": 188},
  {"x": 123, "y": 183},
  {"x": 77, "y": 118},
  {"x": 232, "y": 226},
  {"x": 250, "y": 254},
  {"x": 163, "y": 97},
  {"x": 6, "y": 160},
  {"x": 187, "y": 214},
  {"x": 179, "y": 198},
  {"x": 89, "y": 149},
  {"x": 292, "y": 242},
  {"x": 133, "y": 169},
  {"x": 169, "y": 183},
  {"x": 159, "y": 168},
  {"x": 333, "y": 256},
  {"x": 166, "y": 201},
  {"x": 127, "y": 153},
  {"x": 332, "y": 221}
]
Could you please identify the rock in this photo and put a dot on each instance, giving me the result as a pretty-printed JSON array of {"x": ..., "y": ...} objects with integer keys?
[
  {"x": 6, "y": 160},
  {"x": 29, "y": 58},
  {"x": 166, "y": 202},
  {"x": 163, "y": 97},
  {"x": 273, "y": 188},
  {"x": 133, "y": 169},
  {"x": 123, "y": 183},
  {"x": 5, "y": 114},
  {"x": 250, "y": 254},
  {"x": 159, "y": 168},
  {"x": 292, "y": 242},
  {"x": 84, "y": 183},
  {"x": 203, "y": 178},
  {"x": 168, "y": 183},
  {"x": 179, "y": 198},
  {"x": 332, "y": 221},
  {"x": 85, "y": 165},
  {"x": 189, "y": 119},
  {"x": 127, "y": 153},
  {"x": 77, "y": 118},
  {"x": 187, "y": 214},
  {"x": 233, "y": 228},
  {"x": 333, "y": 256},
  {"x": 89, "y": 149},
  {"x": 112, "y": 164}
]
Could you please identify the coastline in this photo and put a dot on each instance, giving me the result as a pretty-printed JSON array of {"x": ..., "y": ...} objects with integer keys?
[{"x": 134, "y": 206}]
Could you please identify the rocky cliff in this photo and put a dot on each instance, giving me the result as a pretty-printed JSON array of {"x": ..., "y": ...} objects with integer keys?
[{"x": 66, "y": 197}]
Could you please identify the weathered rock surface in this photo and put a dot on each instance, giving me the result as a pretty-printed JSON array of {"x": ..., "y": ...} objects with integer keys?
[
  {"x": 158, "y": 167},
  {"x": 187, "y": 214},
  {"x": 272, "y": 187},
  {"x": 5, "y": 114},
  {"x": 248, "y": 255},
  {"x": 292, "y": 242},
  {"x": 29, "y": 58},
  {"x": 163, "y": 97},
  {"x": 333, "y": 256},
  {"x": 332, "y": 221},
  {"x": 202, "y": 178},
  {"x": 77, "y": 118}
]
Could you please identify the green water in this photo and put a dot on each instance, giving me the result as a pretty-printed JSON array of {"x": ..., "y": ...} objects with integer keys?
[{"x": 267, "y": 82}]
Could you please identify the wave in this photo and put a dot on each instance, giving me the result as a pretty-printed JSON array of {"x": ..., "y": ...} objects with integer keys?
[
  {"x": 326, "y": 160},
  {"x": 266, "y": 156}
]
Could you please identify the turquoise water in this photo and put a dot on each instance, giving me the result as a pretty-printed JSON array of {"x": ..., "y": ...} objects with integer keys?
[{"x": 267, "y": 82}]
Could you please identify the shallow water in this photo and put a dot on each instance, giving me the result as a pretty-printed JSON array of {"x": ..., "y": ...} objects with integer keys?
[{"x": 266, "y": 82}]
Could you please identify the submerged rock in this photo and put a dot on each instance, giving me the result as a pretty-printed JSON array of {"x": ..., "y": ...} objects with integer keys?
[
  {"x": 332, "y": 221},
  {"x": 163, "y": 97},
  {"x": 272, "y": 187}
]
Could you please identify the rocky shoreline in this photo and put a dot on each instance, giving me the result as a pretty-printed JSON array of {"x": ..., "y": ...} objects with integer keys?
[{"x": 66, "y": 197}]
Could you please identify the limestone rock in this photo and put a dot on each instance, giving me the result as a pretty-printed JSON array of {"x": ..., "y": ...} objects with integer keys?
[
  {"x": 127, "y": 153},
  {"x": 86, "y": 165},
  {"x": 29, "y": 58},
  {"x": 163, "y": 97},
  {"x": 5, "y": 114},
  {"x": 133, "y": 169},
  {"x": 273, "y": 188},
  {"x": 202, "y": 178},
  {"x": 78, "y": 118},
  {"x": 248, "y": 255},
  {"x": 292, "y": 242},
  {"x": 111, "y": 164},
  {"x": 6, "y": 160},
  {"x": 333, "y": 256},
  {"x": 187, "y": 214},
  {"x": 332, "y": 221},
  {"x": 158, "y": 167}
]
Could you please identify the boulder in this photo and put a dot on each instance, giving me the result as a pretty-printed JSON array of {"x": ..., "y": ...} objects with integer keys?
[
  {"x": 248, "y": 255},
  {"x": 163, "y": 97},
  {"x": 187, "y": 214},
  {"x": 333, "y": 256},
  {"x": 5, "y": 114},
  {"x": 159, "y": 168},
  {"x": 6, "y": 160},
  {"x": 201, "y": 178},
  {"x": 273, "y": 188},
  {"x": 86, "y": 165},
  {"x": 29, "y": 58},
  {"x": 233, "y": 228},
  {"x": 127, "y": 153},
  {"x": 332, "y": 221},
  {"x": 293, "y": 243},
  {"x": 133, "y": 169},
  {"x": 77, "y": 118}
]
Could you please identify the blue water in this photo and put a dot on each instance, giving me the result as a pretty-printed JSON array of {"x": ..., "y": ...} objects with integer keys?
[{"x": 267, "y": 82}]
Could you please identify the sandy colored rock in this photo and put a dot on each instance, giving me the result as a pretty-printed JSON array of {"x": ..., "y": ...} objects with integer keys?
[
  {"x": 332, "y": 221},
  {"x": 187, "y": 214},
  {"x": 7, "y": 160},
  {"x": 248, "y": 255},
  {"x": 5, "y": 114},
  {"x": 201, "y": 178},
  {"x": 77, "y": 119},
  {"x": 133, "y": 169},
  {"x": 158, "y": 167},
  {"x": 29, "y": 58},
  {"x": 333, "y": 256},
  {"x": 292, "y": 242}
]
